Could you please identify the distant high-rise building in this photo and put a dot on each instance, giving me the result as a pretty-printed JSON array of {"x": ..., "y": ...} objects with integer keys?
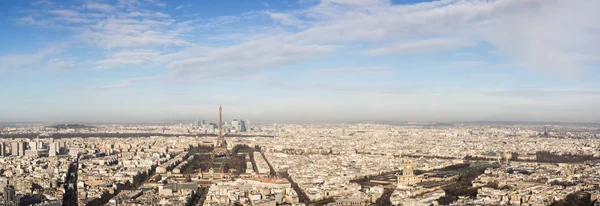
[
  {"x": 53, "y": 149},
  {"x": 202, "y": 122},
  {"x": 10, "y": 198},
  {"x": 33, "y": 146},
  {"x": 21, "y": 148},
  {"x": 212, "y": 127},
  {"x": 248, "y": 128},
  {"x": 242, "y": 124},
  {"x": 17, "y": 149},
  {"x": 2, "y": 152},
  {"x": 235, "y": 125},
  {"x": 14, "y": 151}
]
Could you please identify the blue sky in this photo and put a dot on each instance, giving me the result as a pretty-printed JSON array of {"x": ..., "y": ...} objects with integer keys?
[{"x": 299, "y": 61}]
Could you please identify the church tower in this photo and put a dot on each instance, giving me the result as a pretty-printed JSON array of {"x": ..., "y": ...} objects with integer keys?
[{"x": 407, "y": 170}]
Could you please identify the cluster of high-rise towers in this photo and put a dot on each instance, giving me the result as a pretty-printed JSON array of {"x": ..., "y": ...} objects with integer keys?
[
  {"x": 236, "y": 125},
  {"x": 32, "y": 148}
]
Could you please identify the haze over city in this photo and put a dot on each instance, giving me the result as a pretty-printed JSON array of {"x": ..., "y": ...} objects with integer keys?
[
  {"x": 299, "y": 103},
  {"x": 300, "y": 61}
]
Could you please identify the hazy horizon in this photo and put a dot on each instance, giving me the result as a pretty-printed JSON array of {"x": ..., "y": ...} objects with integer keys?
[
  {"x": 388, "y": 122},
  {"x": 300, "y": 61}
]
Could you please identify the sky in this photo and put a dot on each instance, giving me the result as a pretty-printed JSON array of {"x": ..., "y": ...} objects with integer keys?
[{"x": 300, "y": 61}]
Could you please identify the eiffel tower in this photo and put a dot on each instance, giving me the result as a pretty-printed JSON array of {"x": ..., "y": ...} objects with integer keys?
[{"x": 220, "y": 145}]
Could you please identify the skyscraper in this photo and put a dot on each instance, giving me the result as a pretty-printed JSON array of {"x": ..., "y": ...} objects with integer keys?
[
  {"x": 21, "y": 149},
  {"x": 2, "y": 152},
  {"x": 248, "y": 128},
  {"x": 10, "y": 198},
  {"x": 17, "y": 149},
  {"x": 53, "y": 149},
  {"x": 235, "y": 125},
  {"x": 242, "y": 127},
  {"x": 33, "y": 146},
  {"x": 14, "y": 149}
]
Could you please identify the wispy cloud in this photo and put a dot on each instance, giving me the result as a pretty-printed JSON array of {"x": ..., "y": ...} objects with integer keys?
[
  {"x": 12, "y": 63},
  {"x": 127, "y": 57},
  {"x": 286, "y": 19},
  {"x": 450, "y": 22},
  {"x": 182, "y": 6},
  {"x": 99, "y": 7},
  {"x": 468, "y": 64},
  {"x": 387, "y": 89},
  {"x": 538, "y": 92},
  {"x": 421, "y": 46},
  {"x": 43, "y": 2},
  {"x": 107, "y": 26},
  {"x": 351, "y": 70},
  {"x": 64, "y": 12},
  {"x": 128, "y": 33},
  {"x": 59, "y": 65},
  {"x": 123, "y": 84},
  {"x": 377, "y": 89},
  {"x": 244, "y": 59}
]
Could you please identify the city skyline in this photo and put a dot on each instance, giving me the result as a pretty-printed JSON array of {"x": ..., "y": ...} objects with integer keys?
[{"x": 144, "y": 61}]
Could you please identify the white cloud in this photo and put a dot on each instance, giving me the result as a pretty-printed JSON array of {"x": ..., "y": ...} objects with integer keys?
[
  {"x": 469, "y": 64},
  {"x": 124, "y": 25},
  {"x": 537, "y": 92},
  {"x": 123, "y": 84},
  {"x": 127, "y": 3},
  {"x": 115, "y": 33},
  {"x": 127, "y": 57},
  {"x": 351, "y": 70},
  {"x": 483, "y": 64},
  {"x": 182, "y": 6},
  {"x": 30, "y": 20},
  {"x": 59, "y": 65},
  {"x": 529, "y": 31},
  {"x": 245, "y": 58},
  {"x": 43, "y": 2},
  {"x": 387, "y": 89},
  {"x": 420, "y": 46},
  {"x": 354, "y": 2},
  {"x": 162, "y": 15},
  {"x": 156, "y": 3},
  {"x": 11, "y": 63},
  {"x": 64, "y": 12},
  {"x": 286, "y": 19},
  {"x": 99, "y": 7}
]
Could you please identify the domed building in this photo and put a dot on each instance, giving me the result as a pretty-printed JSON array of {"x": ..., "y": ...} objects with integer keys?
[{"x": 408, "y": 176}]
